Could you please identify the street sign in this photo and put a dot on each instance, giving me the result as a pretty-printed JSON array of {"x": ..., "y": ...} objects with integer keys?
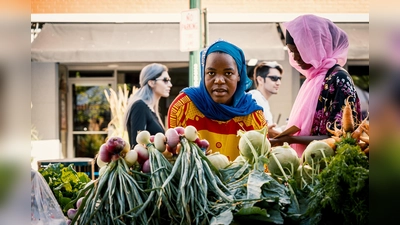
[{"x": 190, "y": 30}]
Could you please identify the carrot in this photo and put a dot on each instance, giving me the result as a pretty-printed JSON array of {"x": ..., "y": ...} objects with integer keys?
[
  {"x": 360, "y": 129},
  {"x": 364, "y": 139},
  {"x": 331, "y": 142},
  {"x": 335, "y": 132},
  {"x": 366, "y": 151},
  {"x": 347, "y": 117}
]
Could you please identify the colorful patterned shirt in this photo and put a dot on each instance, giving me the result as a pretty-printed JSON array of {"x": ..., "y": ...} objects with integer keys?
[
  {"x": 222, "y": 135},
  {"x": 335, "y": 89}
]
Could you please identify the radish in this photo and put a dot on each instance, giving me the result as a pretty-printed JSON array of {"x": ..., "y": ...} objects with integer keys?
[
  {"x": 79, "y": 202},
  {"x": 191, "y": 133},
  {"x": 204, "y": 144},
  {"x": 115, "y": 145},
  {"x": 131, "y": 157},
  {"x": 143, "y": 153},
  {"x": 146, "y": 166},
  {"x": 172, "y": 137},
  {"x": 160, "y": 141},
  {"x": 143, "y": 138},
  {"x": 100, "y": 163},
  {"x": 152, "y": 138},
  {"x": 104, "y": 154},
  {"x": 180, "y": 131},
  {"x": 172, "y": 150},
  {"x": 71, "y": 213}
]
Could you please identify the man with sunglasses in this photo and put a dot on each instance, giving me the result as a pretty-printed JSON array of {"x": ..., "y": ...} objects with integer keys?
[{"x": 267, "y": 78}]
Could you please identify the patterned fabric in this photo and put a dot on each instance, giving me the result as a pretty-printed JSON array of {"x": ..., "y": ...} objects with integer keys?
[
  {"x": 222, "y": 135},
  {"x": 335, "y": 90}
]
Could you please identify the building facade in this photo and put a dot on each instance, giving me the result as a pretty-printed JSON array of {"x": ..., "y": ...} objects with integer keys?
[{"x": 81, "y": 48}]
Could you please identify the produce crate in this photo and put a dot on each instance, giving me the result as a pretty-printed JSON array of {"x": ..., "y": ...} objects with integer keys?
[{"x": 85, "y": 165}]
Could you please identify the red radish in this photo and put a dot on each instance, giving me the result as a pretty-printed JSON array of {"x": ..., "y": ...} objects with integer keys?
[
  {"x": 172, "y": 137},
  {"x": 180, "y": 130},
  {"x": 191, "y": 133},
  {"x": 79, "y": 202},
  {"x": 71, "y": 213},
  {"x": 152, "y": 138},
  {"x": 172, "y": 150},
  {"x": 125, "y": 150},
  {"x": 115, "y": 145},
  {"x": 100, "y": 163},
  {"x": 143, "y": 153},
  {"x": 204, "y": 144},
  {"x": 160, "y": 142},
  {"x": 115, "y": 157},
  {"x": 131, "y": 157},
  {"x": 146, "y": 166},
  {"x": 197, "y": 141},
  {"x": 143, "y": 137},
  {"x": 104, "y": 154}
]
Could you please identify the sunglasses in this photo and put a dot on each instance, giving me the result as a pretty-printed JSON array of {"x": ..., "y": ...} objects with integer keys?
[
  {"x": 165, "y": 79},
  {"x": 274, "y": 78}
]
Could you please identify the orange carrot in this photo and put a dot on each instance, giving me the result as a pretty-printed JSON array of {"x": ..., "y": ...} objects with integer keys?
[
  {"x": 360, "y": 129},
  {"x": 335, "y": 132},
  {"x": 331, "y": 142},
  {"x": 366, "y": 151},
  {"x": 347, "y": 117},
  {"x": 364, "y": 139}
]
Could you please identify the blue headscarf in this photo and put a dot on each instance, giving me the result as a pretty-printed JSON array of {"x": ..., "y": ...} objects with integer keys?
[{"x": 243, "y": 104}]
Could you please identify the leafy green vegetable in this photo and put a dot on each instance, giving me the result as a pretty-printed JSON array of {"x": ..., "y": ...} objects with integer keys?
[
  {"x": 64, "y": 182},
  {"x": 341, "y": 194}
]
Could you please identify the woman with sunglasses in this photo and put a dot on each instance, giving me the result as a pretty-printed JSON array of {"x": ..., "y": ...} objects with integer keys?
[
  {"x": 267, "y": 77},
  {"x": 318, "y": 49},
  {"x": 143, "y": 113},
  {"x": 219, "y": 107}
]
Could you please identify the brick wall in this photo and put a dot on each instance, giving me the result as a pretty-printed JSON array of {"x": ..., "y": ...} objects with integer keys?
[{"x": 213, "y": 6}]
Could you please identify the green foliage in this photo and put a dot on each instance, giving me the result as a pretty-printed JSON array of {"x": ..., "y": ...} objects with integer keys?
[
  {"x": 341, "y": 195},
  {"x": 64, "y": 182}
]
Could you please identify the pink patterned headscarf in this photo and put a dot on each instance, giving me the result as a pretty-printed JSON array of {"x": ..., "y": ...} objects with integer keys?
[{"x": 322, "y": 44}]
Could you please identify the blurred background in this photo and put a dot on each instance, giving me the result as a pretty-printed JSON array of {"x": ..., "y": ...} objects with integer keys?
[{"x": 82, "y": 48}]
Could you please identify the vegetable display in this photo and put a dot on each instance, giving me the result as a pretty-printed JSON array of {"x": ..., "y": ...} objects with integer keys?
[{"x": 172, "y": 178}]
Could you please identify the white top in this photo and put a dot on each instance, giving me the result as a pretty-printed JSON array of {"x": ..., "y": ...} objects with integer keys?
[{"x": 261, "y": 101}]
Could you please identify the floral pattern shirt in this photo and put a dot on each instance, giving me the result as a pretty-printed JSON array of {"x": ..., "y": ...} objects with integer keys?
[{"x": 336, "y": 88}]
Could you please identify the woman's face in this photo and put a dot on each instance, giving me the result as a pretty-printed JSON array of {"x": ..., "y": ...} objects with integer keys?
[
  {"x": 162, "y": 85},
  {"x": 221, "y": 77},
  {"x": 297, "y": 57}
]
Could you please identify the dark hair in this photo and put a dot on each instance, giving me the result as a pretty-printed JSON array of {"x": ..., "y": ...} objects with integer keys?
[
  {"x": 262, "y": 70},
  {"x": 289, "y": 38}
]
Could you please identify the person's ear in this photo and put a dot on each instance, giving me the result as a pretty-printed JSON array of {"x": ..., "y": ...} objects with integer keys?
[
  {"x": 151, "y": 83},
  {"x": 260, "y": 79}
]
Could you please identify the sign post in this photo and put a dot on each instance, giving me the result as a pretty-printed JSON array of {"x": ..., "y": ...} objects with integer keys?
[{"x": 190, "y": 39}]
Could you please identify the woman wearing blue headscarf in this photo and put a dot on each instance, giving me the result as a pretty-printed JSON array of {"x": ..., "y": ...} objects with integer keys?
[{"x": 219, "y": 107}]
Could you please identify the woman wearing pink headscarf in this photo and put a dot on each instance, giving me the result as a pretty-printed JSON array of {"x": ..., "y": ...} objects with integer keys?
[{"x": 318, "y": 49}]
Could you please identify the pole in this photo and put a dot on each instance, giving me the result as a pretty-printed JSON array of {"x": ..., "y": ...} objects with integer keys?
[{"x": 194, "y": 56}]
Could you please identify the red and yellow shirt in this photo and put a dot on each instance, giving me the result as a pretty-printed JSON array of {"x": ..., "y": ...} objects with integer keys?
[{"x": 222, "y": 135}]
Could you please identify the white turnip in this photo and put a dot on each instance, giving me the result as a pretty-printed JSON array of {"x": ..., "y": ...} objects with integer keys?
[
  {"x": 143, "y": 137},
  {"x": 191, "y": 133},
  {"x": 131, "y": 158}
]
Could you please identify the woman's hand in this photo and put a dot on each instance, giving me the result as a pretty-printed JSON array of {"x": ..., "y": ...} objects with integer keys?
[
  {"x": 279, "y": 141},
  {"x": 273, "y": 131}
]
